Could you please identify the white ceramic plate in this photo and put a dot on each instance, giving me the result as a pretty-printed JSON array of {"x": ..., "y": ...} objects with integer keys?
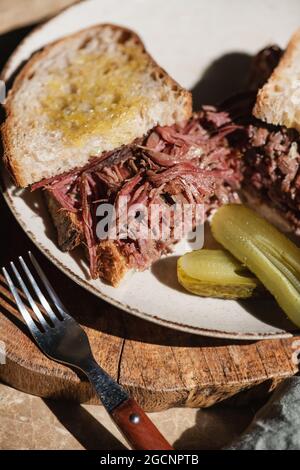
[{"x": 186, "y": 38}]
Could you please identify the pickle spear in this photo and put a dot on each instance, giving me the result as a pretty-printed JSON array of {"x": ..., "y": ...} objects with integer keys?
[
  {"x": 215, "y": 273},
  {"x": 271, "y": 256}
]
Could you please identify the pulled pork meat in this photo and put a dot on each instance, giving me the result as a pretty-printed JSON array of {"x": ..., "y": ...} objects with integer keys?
[{"x": 191, "y": 163}]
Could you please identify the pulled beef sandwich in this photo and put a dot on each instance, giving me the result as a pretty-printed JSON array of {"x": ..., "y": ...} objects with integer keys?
[
  {"x": 92, "y": 118},
  {"x": 190, "y": 163},
  {"x": 271, "y": 151}
]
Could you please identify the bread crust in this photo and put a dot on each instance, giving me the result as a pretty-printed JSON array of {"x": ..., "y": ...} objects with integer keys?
[
  {"x": 68, "y": 227},
  {"x": 112, "y": 265},
  {"x": 266, "y": 107},
  {"x": 11, "y": 120}
]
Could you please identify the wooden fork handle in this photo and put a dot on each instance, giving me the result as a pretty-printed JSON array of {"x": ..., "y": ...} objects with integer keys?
[{"x": 137, "y": 428}]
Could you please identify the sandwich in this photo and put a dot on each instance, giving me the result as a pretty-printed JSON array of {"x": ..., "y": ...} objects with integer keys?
[
  {"x": 91, "y": 119},
  {"x": 271, "y": 149}
]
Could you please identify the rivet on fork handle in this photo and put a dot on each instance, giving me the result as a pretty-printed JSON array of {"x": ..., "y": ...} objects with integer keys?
[
  {"x": 137, "y": 428},
  {"x": 135, "y": 418}
]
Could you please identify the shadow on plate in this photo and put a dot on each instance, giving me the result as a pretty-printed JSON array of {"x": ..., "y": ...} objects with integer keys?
[
  {"x": 223, "y": 78},
  {"x": 268, "y": 311},
  {"x": 165, "y": 270}
]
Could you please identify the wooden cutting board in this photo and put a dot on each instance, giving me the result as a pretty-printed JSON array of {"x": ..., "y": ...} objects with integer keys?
[{"x": 160, "y": 367}]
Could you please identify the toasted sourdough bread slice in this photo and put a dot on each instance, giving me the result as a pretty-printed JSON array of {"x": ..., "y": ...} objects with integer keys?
[
  {"x": 278, "y": 101},
  {"x": 82, "y": 95}
]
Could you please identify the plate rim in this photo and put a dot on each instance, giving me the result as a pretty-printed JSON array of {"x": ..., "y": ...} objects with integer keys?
[
  {"x": 123, "y": 306},
  {"x": 85, "y": 284}
]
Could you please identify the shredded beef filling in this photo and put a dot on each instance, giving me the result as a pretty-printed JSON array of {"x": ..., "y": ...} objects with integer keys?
[
  {"x": 189, "y": 163},
  {"x": 271, "y": 169},
  {"x": 271, "y": 163}
]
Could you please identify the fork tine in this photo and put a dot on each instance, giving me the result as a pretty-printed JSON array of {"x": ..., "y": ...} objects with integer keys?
[
  {"x": 33, "y": 305},
  {"x": 37, "y": 290},
  {"x": 24, "y": 312},
  {"x": 54, "y": 297}
]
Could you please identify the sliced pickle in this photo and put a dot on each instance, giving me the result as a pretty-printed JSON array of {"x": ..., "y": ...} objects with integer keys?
[
  {"x": 269, "y": 254},
  {"x": 215, "y": 273}
]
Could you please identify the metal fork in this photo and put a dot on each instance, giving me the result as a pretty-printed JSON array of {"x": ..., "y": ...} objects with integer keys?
[{"x": 62, "y": 339}]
